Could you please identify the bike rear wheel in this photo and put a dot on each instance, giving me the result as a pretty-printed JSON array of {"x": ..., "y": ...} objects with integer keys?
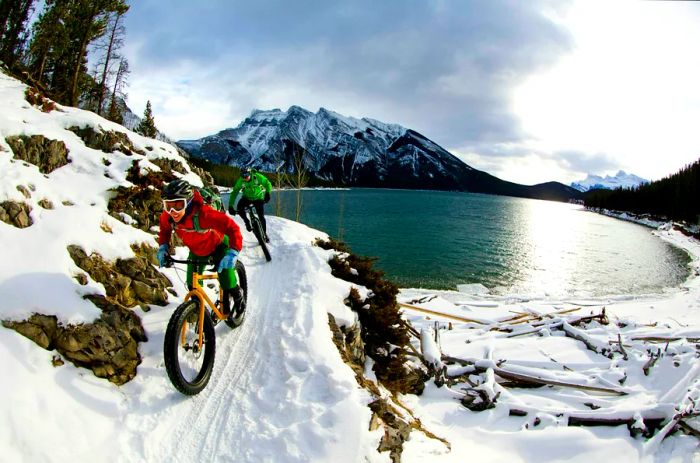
[
  {"x": 188, "y": 364},
  {"x": 260, "y": 235},
  {"x": 236, "y": 318}
]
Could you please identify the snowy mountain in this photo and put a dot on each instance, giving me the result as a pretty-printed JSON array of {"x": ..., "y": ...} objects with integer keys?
[
  {"x": 354, "y": 152},
  {"x": 619, "y": 180}
]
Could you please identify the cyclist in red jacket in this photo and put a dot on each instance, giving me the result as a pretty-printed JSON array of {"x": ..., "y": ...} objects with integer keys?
[{"x": 206, "y": 232}]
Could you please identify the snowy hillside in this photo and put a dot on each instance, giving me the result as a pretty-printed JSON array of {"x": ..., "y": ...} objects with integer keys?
[
  {"x": 280, "y": 387},
  {"x": 619, "y": 180}
]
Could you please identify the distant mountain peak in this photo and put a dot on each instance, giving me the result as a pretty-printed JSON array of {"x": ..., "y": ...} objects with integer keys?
[{"x": 620, "y": 180}]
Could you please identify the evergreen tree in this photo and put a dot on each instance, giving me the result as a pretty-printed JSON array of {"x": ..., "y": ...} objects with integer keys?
[
  {"x": 114, "y": 113},
  {"x": 114, "y": 41},
  {"x": 89, "y": 23},
  {"x": 49, "y": 38},
  {"x": 674, "y": 197},
  {"x": 62, "y": 34},
  {"x": 147, "y": 127},
  {"x": 14, "y": 15}
]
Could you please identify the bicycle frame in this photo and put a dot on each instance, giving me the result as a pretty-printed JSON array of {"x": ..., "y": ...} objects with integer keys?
[
  {"x": 252, "y": 213},
  {"x": 203, "y": 299}
]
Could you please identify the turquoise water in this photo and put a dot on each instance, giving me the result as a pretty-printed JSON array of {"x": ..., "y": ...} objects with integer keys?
[{"x": 430, "y": 239}]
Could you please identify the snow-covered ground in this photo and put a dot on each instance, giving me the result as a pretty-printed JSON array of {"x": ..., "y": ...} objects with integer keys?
[
  {"x": 543, "y": 435},
  {"x": 279, "y": 390}
]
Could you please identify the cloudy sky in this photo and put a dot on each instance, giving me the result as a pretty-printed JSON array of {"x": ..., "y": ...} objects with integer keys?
[{"x": 528, "y": 91}]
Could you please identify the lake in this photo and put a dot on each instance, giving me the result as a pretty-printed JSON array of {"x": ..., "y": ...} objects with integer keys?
[{"x": 438, "y": 240}]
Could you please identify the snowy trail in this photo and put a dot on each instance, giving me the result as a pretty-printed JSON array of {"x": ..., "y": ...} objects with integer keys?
[{"x": 275, "y": 392}]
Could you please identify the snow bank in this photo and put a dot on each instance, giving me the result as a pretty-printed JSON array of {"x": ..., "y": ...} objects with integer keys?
[{"x": 279, "y": 391}]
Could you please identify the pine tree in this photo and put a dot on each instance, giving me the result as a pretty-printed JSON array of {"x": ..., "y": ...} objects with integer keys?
[
  {"x": 114, "y": 112},
  {"x": 48, "y": 39},
  {"x": 114, "y": 41},
  {"x": 62, "y": 35},
  {"x": 90, "y": 23},
  {"x": 14, "y": 15},
  {"x": 147, "y": 127}
]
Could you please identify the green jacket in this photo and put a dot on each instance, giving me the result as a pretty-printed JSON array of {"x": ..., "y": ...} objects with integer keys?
[{"x": 254, "y": 189}]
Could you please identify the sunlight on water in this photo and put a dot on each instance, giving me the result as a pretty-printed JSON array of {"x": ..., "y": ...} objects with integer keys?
[
  {"x": 552, "y": 231},
  {"x": 439, "y": 240}
]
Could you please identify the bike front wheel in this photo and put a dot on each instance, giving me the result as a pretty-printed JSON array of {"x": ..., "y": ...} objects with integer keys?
[
  {"x": 260, "y": 235},
  {"x": 189, "y": 364}
]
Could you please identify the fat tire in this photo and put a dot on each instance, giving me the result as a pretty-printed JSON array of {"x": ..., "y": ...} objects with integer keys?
[
  {"x": 171, "y": 349},
  {"x": 260, "y": 235},
  {"x": 235, "y": 322}
]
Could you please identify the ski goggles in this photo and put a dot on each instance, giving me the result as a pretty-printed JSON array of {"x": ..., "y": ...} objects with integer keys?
[{"x": 174, "y": 205}]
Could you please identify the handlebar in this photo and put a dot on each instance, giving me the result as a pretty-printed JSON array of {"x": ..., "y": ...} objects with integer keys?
[{"x": 170, "y": 260}]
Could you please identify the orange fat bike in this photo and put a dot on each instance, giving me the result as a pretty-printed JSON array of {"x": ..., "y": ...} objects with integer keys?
[{"x": 190, "y": 339}]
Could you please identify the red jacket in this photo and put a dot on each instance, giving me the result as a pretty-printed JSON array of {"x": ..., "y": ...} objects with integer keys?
[{"x": 213, "y": 225}]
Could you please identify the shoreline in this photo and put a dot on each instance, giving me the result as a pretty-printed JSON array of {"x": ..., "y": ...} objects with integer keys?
[{"x": 664, "y": 230}]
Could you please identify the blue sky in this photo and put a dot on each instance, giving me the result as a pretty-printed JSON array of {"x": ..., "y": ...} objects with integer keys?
[{"x": 528, "y": 91}]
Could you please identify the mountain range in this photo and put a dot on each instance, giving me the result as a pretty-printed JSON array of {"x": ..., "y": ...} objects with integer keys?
[
  {"x": 620, "y": 180},
  {"x": 354, "y": 152}
]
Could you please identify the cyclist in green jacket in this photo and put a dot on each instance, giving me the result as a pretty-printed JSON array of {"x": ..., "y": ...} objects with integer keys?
[{"x": 256, "y": 190}]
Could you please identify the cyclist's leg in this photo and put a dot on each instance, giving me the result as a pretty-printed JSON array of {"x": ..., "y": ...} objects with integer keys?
[
  {"x": 191, "y": 268},
  {"x": 228, "y": 279},
  {"x": 242, "y": 203},
  {"x": 260, "y": 209}
]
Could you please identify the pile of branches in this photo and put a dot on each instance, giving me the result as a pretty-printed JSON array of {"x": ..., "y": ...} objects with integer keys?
[{"x": 609, "y": 391}]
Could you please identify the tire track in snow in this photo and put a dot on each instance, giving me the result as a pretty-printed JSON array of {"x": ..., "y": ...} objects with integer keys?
[
  {"x": 202, "y": 431},
  {"x": 272, "y": 392}
]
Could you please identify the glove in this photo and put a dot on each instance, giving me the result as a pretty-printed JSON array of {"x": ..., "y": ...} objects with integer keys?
[
  {"x": 267, "y": 197},
  {"x": 229, "y": 260},
  {"x": 163, "y": 254},
  {"x": 231, "y": 210}
]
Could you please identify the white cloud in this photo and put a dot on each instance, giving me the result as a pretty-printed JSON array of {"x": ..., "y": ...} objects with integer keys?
[
  {"x": 629, "y": 89},
  {"x": 624, "y": 97}
]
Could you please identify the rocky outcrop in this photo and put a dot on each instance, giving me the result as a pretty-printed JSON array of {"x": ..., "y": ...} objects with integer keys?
[
  {"x": 106, "y": 141},
  {"x": 45, "y": 203},
  {"x": 142, "y": 202},
  {"x": 128, "y": 282},
  {"x": 16, "y": 214},
  {"x": 108, "y": 346},
  {"x": 206, "y": 177},
  {"x": 48, "y": 155},
  {"x": 24, "y": 190},
  {"x": 36, "y": 98},
  {"x": 169, "y": 165},
  {"x": 142, "y": 205}
]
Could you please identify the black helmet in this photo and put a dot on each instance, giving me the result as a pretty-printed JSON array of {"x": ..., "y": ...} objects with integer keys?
[
  {"x": 245, "y": 172},
  {"x": 177, "y": 189}
]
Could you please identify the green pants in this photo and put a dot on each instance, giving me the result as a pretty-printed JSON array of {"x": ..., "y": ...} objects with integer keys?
[{"x": 227, "y": 278}]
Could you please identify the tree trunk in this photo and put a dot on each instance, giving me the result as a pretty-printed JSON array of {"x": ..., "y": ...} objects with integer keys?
[
  {"x": 84, "y": 41},
  {"x": 108, "y": 57}
]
